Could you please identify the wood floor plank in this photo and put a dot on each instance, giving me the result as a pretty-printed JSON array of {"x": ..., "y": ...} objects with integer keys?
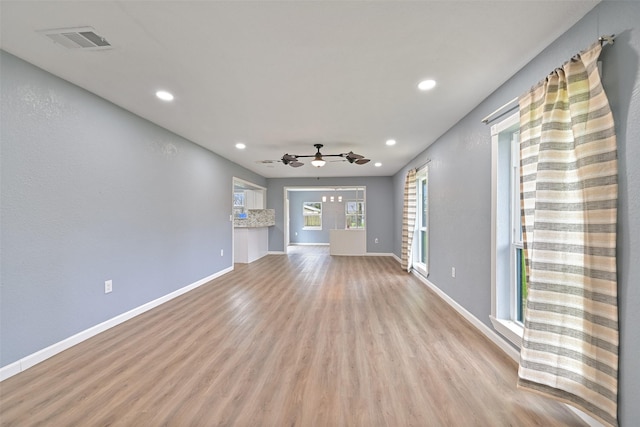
[{"x": 300, "y": 340}]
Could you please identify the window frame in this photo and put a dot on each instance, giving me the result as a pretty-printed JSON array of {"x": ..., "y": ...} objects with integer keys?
[
  {"x": 305, "y": 215},
  {"x": 420, "y": 248},
  {"x": 517, "y": 245},
  {"x": 505, "y": 214},
  {"x": 359, "y": 213}
]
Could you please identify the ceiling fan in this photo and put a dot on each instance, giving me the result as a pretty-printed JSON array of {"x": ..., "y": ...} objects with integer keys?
[{"x": 318, "y": 160}]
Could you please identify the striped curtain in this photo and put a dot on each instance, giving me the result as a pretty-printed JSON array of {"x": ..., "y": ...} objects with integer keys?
[
  {"x": 569, "y": 201},
  {"x": 408, "y": 219}
]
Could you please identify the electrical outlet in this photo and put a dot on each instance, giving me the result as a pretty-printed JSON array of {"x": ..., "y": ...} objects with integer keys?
[
  {"x": 221, "y": 252},
  {"x": 377, "y": 240},
  {"x": 453, "y": 272},
  {"x": 108, "y": 286}
]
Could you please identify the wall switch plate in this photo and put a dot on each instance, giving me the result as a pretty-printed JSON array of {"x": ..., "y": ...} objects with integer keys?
[
  {"x": 108, "y": 286},
  {"x": 377, "y": 240},
  {"x": 221, "y": 252},
  {"x": 453, "y": 272}
]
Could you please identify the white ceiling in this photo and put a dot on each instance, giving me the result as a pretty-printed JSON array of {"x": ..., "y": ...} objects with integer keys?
[{"x": 283, "y": 75}]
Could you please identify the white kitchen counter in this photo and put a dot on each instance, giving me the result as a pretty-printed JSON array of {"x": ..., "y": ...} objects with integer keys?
[{"x": 250, "y": 244}]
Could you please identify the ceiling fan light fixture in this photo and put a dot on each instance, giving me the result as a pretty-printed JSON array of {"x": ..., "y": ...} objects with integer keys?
[{"x": 318, "y": 162}]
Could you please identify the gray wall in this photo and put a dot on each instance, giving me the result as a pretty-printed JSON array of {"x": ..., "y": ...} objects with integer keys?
[
  {"x": 379, "y": 208},
  {"x": 460, "y": 184},
  {"x": 333, "y": 214},
  {"x": 91, "y": 192}
]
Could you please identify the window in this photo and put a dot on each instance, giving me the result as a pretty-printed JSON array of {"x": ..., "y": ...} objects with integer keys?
[
  {"x": 354, "y": 211},
  {"x": 238, "y": 199},
  {"x": 312, "y": 215},
  {"x": 238, "y": 205},
  {"x": 509, "y": 287},
  {"x": 421, "y": 234},
  {"x": 518, "y": 280}
]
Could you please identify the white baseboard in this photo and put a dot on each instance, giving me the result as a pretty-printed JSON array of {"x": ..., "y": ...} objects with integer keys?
[
  {"x": 276, "y": 253},
  {"x": 378, "y": 254},
  {"x": 396, "y": 258},
  {"x": 42, "y": 355},
  {"x": 493, "y": 336},
  {"x": 308, "y": 244}
]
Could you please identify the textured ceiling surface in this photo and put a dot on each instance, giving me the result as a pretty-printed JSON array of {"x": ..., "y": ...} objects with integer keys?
[{"x": 282, "y": 76}]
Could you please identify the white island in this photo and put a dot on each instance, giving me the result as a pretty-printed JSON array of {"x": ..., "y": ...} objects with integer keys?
[{"x": 347, "y": 242}]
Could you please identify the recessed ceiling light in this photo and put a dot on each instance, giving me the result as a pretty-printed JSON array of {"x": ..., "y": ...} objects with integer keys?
[
  {"x": 427, "y": 84},
  {"x": 241, "y": 146},
  {"x": 391, "y": 142},
  {"x": 164, "y": 95},
  {"x": 377, "y": 164}
]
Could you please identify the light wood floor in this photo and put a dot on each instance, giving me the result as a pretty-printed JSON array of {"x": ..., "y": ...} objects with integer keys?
[{"x": 299, "y": 340}]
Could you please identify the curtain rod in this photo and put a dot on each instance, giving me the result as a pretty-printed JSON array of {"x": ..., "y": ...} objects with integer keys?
[
  {"x": 604, "y": 40},
  {"x": 486, "y": 119},
  {"x": 417, "y": 168}
]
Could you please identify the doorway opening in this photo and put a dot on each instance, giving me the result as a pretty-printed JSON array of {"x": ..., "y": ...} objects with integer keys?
[
  {"x": 316, "y": 217},
  {"x": 247, "y": 196}
]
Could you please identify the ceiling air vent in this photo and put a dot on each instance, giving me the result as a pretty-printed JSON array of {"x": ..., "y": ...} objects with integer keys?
[{"x": 84, "y": 38}]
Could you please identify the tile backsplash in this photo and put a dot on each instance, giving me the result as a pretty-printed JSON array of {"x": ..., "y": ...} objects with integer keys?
[{"x": 257, "y": 218}]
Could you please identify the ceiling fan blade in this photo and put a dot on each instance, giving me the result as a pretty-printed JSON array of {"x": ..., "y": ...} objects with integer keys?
[
  {"x": 354, "y": 156},
  {"x": 362, "y": 161},
  {"x": 348, "y": 156},
  {"x": 289, "y": 158},
  {"x": 296, "y": 164}
]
